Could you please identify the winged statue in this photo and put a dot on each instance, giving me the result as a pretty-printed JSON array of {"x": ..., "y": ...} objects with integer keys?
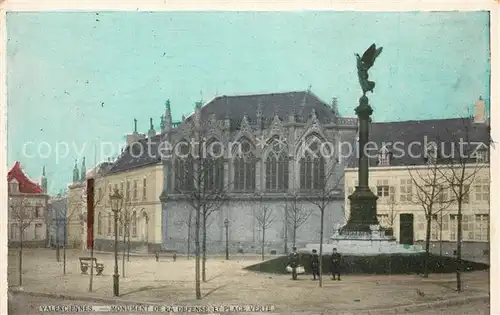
[{"x": 364, "y": 64}]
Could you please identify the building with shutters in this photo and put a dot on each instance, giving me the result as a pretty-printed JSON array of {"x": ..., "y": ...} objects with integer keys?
[
  {"x": 399, "y": 179},
  {"x": 27, "y": 220}
]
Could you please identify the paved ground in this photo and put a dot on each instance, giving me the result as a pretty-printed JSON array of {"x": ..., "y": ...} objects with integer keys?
[
  {"x": 150, "y": 281},
  {"x": 476, "y": 308}
]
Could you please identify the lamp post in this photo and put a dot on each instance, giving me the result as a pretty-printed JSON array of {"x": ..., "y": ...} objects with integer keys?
[
  {"x": 116, "y": 204},
  {"x": 226, "y": 225}
]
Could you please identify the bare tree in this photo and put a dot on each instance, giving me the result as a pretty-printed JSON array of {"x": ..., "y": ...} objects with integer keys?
[
  {"x": 296, "y": 215},
  {"x": 22, "y": 214},
  {"x": 125, "y": 219},
  {"x": 187, "y": 220},
  {"x": 265, "y": 219},
  {"x": 430, "y": 186},
  {"x": 460, "y": 171},
  {"x": 199, "y": 179}
]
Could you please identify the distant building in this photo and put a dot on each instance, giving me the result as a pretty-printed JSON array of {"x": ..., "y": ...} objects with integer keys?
[
  {"x": 27, "y": 209},
  {"x": 394, "y": 180},
  {"x": 57, "y": 209}
]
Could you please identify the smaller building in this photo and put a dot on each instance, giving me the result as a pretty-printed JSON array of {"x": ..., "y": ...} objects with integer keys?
[
  {"x": 27, "y": 222},
  {"x": 57, "y": 209}
]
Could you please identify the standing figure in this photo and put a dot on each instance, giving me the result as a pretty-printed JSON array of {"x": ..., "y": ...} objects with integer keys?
[
  {"x": 293, "y": 261},
  {"x": 335, "y": 266},
  {"x": 315, "y": 264}
]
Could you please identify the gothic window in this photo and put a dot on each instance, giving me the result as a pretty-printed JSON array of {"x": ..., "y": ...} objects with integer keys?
[
  {"x": 244, "y": 169},
  {"x": 212, "y": 165},
  {"x": 183, "y": 169},
  {"x": 277, "y": 169},
  {"x": 99, "y": 224},
  {"x": 312, "y": 169},
  {"x": 384, "y": 157}
]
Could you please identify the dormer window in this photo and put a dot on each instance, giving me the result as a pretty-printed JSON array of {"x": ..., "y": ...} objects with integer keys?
[
  {"x": 431, "y": 153},
  {"x": 481, "y": 154},
  {"x": 384, "y": 157},
  {"x": 14, "y": 187}
]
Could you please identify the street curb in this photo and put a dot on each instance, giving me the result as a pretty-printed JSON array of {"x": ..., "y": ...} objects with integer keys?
[
  {"x": 391, "y": 310},
  {"x": 429, "y": 305}
]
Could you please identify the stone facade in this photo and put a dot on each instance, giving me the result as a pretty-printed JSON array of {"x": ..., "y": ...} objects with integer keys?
[{"x": 275, "y": 131}]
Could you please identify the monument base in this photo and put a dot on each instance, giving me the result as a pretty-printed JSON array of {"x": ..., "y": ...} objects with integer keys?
[{"x": 362, "y": 243}]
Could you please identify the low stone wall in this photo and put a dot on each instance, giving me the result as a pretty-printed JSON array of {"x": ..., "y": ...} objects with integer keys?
[
  {"x": 469, "y": 249},
  {"x": 219, "y": 247},
  {"x": 28, "y": 244},
  {"x": 109, "y": 245}
]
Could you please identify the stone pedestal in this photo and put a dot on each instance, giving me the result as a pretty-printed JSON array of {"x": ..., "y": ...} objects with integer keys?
[{"x": 363, "y": 243}]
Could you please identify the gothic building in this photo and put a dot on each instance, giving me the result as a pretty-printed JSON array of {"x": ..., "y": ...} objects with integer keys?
[{"x": 261, "y": 176}]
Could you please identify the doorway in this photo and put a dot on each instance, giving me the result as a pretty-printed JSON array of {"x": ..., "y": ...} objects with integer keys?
[{"x": 406, "y": 228}]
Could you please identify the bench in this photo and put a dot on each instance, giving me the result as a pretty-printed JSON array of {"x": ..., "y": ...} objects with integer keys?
[
  {"x": 85, "y": 263},
  {"x": 166, "y": 253}
]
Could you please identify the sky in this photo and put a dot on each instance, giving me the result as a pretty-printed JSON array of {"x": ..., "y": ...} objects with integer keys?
[{"x": 77, "y": 80}]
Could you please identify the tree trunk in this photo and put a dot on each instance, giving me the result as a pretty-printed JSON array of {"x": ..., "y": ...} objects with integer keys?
[
  {"x": 197, "y": 253},
  {"x": 321, "y": 249},
  {"x": 459, "y": 246},
  {"x": 64, "y": 248},
  {"x": 124, "y": 251},
  {"x": 441, "y": 236},
  {"x": 204, "y": 249},
  {"x": 128, "y": 245},
  {"x": 294, "y": 234},
  {"x": 21, "y": 256},
  {"x": 427, "y": 244},
  {"x": 286, "y": 227},
  {"x": 58, "y": 252},
  {"x": 189, "y": 238},
  {"x": 263, "y": 242}
]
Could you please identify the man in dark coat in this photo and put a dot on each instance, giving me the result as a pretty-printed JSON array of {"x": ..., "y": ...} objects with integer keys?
[
  {"x": 336, "y": 260},
  {"x": 315, "y": 264},
  {"x": 293, "y": 261}
]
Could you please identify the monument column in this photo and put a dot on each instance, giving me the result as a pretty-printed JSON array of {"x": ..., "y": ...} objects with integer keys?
[{"x": 363, "y": 201}]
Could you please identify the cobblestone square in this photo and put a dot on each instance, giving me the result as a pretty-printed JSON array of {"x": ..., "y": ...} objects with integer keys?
[{"x": 172, "y": 282}]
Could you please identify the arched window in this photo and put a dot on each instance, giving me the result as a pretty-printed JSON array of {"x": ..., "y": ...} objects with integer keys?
[
  {"x": 184, "y": 168},
  {"x": 244, "y": 168},
  {"x": 212, "y": 166},
  {"x": 110, "y": 223},
  {"x": 277, "y": 169},
  {"x": 312, "y": 168},
  {"x": 99, "y": 224},
  {"x": 134, "y": 224}
]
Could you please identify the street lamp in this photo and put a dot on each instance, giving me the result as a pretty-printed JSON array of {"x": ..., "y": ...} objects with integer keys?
[
  {"x": 226, "y": 224},
  {"x": 116, "y": 205}
]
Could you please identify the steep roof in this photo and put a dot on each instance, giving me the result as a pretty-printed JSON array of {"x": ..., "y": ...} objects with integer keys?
[
  {"x": 134, "y": 156},
  {"x": 234, "y": 107},
  {"x": 26, "y": 185},
  {"x": 422, "y": 132}
]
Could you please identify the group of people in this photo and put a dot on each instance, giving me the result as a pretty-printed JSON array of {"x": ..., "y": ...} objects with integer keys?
[{"x": 335, "y": 264}]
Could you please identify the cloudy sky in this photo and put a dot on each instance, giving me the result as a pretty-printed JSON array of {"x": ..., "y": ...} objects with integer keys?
[{"x": 81, "y": 78}]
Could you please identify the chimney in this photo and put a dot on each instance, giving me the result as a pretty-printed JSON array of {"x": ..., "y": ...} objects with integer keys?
[
  {"x": 134, "y": 136},
  {"x": 480, "y": 111}
]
